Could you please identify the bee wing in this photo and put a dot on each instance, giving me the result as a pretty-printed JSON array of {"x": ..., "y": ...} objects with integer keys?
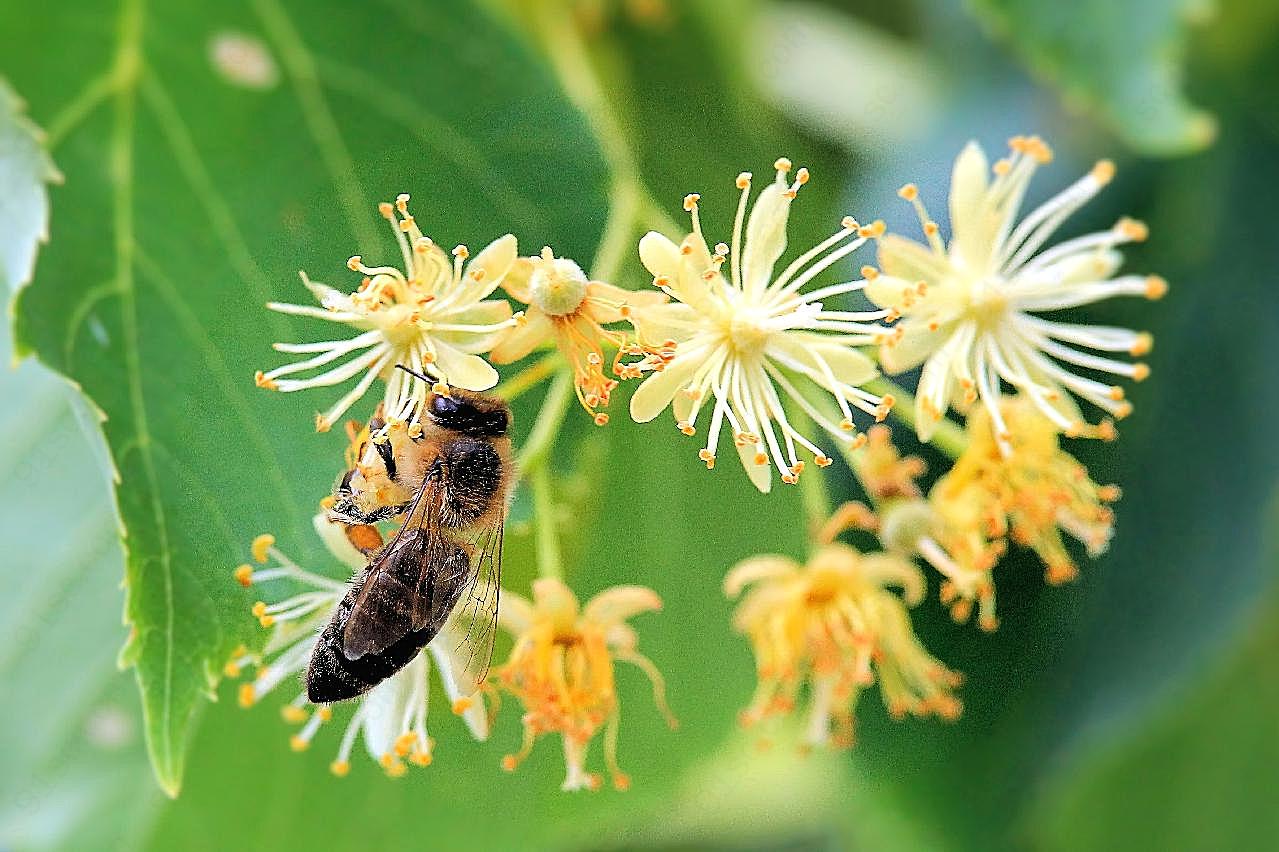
[
  {"x": 473, "y": 625},
  {"x": 410, "y": 584}
]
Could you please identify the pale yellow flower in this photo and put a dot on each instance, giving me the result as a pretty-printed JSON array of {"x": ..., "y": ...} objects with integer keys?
[
  {"x": 561, "y": 670},
  {"x": 834, "y": 626},
  {"x": 971, "y": 307},
  {"x": 434, "y": 317},
  {"x": 1031, "y": 495},
  {"x": 567, "y": 308},
  {"x": 734, "y": 345}
]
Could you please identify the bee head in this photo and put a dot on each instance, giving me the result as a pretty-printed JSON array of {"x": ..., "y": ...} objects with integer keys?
[{"x": 470, "y": 414}]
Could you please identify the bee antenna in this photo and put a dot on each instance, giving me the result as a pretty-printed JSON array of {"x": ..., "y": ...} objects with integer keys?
[{"x": 412, "y": 372}]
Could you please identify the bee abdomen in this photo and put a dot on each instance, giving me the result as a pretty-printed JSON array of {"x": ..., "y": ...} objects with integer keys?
[{"x": 333, "y": 676}]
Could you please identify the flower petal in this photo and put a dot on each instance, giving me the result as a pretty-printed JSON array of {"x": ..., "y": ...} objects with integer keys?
[
  {"x": 520, "y": 340},
  {"x": 515, "y": 282},
  {"x": 385, "y": 709},
  {"x": 494, "y": 261},
  {"x": 659, "y": 255},
  {"x": 620, "y": 603},
  {"x": 554, "y": 599},
  {"x": 463, "y": 369},
  {"x": 849, "y": 365},
  {"x": 917, "y": 342},
  {"x": 757, "y": 568},
  {"x": 968, "y": 185},
  {"x": 761, "y": 475},
  {"x": 516, "y": 614},
  {"x": 765, "y": 235},
  {"x": 903, "y": 258},
  {"x": 604, "y": 301},
  {"x": 657, "y": 391}
]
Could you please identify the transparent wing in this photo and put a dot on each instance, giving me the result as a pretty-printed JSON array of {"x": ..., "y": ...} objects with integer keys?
[{"x": 472, "y": 627}]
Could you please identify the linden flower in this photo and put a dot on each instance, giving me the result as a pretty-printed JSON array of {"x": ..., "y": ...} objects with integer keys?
[
  {"x": 739, "y": 342},
  {"x": 834, "y": 625},
  {"x": 1031, "y": 494},
  {"x": 564, "y": 306},
  {"x": 392, "y": 716},
  {"x": 970, "y": 308},
  {"x": 434, "y": 317},
  {"x": 561, "y": 670}
]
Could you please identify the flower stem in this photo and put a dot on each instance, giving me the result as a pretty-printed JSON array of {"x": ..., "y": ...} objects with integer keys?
[
  {"x": 547, "y": 426},
  {"x": 528, "y": 378},
  {"x": 948, "y": 437},
  {"x": 550, "y": 560}
]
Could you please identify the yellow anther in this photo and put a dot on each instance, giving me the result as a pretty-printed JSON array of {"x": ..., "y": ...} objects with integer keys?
[
  {"x": 1132, "y": 229},
  {"x": 463, "y": 704},
  {"x": 340, "y": 768},
  {"x": 461, "y": 252},
  {"x": 440, "y": 389},
  {"x": 387, "y": 211},
  {"x": 1156, "y": 287},
  {"x": 231, "y": 669},
  {"x": 909, "y": 192},
  {"x": 260, "y": 379},
  {"x": 247, "y": 695},
  {"x": 322, "y": 423},
  {"x": 293, "y": 714},
  {"x": 686, "y": 427},
  {"x": 744, "y": 180},
  {"x": 874, "y": 229},
  {"x": 708, "y": 457},
  {"x": 1103, "y": 172},
  {"x": 420, "y": 758},
  {"x": 848, "y": 223},
  {"x": 353, "y": 263},
  {"x": 802, "y": 176},
  {"x": 782, "y": 164},
  {"x": 1001, "y": 167},
  {"x": 267, "y": 621},
  {"x": 822, "y": 461},
  {"x": 870, "y": 273},
  {"x": 261, "y": 545},
  {"x": 404, "y": 743},
  {"x": 760, "y": 458},
  {"x": 402, "y": 202},
  {"x": 690, "y": 201},
  {"x": 244, "y": 575},
  {"x": 1116, "y": 393},
  {"x": 325, "y": 713},
  {"x": 1140, "y": 372},
  {"x": 259, "y": 609}
]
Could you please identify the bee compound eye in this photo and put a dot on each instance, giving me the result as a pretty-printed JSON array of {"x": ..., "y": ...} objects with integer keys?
[{"x": 443, "y": 406}]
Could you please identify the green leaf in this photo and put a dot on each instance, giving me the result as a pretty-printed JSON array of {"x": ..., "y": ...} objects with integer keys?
[
  {"x": 1211, "y": 749},
  {"x": 211, "y": 152},
  {"x": 1123, "y": 61},
  {"x": 70, "y": 724},
  {"x": 25, "y": 172}
]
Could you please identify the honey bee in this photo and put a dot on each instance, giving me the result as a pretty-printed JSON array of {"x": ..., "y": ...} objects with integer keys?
[{"x": 450, "y": 476}]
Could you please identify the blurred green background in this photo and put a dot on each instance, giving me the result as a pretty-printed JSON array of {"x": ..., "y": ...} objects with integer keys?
[{"x": 1136, "y": 708}]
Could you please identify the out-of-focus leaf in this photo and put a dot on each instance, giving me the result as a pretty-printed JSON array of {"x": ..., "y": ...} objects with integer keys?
[
  {"x": 75, "y": 771},
  {"x": 1198, "y": 774},
  {"x": 836, "y": 75},
  {"x": 25, "y": 172},
  {"x": 1124, "y": 61},
  {"x": 210, "y": 152}
]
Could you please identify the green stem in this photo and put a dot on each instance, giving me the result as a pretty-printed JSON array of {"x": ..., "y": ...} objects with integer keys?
[
  {"x": 528, "y": 378},
  {"x": 812, "y": 483},
  {"x": 542, "y": 436},
  {"x": 948, "y": 437},
  {"x": 619, "y": 228},
  {"x": 550, "y": 560}
]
